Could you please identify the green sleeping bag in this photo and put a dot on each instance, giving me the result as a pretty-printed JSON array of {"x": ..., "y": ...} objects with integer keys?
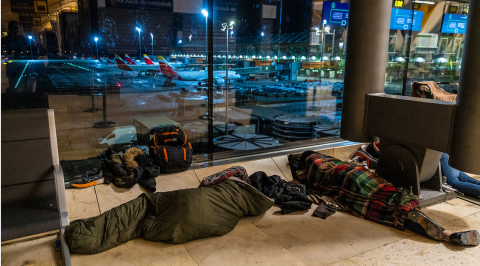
[{"x": 172, "y": 217}]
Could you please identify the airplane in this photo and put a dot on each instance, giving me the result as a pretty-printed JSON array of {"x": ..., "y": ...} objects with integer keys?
[
  {"x": 129, "y": 60},
  {"x": 193, "y": 75},
  {"x": 134, "y": 68},
  {"x": 149, "y": 61}
]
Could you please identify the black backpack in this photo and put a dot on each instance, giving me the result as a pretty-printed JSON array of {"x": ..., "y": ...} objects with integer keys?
[{"x": 170, "y": 149}]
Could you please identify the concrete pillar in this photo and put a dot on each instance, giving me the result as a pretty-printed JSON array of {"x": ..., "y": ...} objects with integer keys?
[
  {"x": 465, "y": 148},
  {"x": 366, "y": 62}
]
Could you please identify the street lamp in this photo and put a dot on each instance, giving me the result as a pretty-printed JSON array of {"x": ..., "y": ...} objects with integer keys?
[
  {"x": 96, "y": 46},
  {"x": 205, "y": 14},
  {"x": 226, "y": 28},
  {"x": 152, "y": 41},
  {"x": 139, "y": 43},
  {"x": 30, "y": 39}
]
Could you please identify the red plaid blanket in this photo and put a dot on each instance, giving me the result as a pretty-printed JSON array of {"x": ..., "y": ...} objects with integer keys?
[
  {"x": 236, "y": 171},
  {"x": 360, "y": 191}
]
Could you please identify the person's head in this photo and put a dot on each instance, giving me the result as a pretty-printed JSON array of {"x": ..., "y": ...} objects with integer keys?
[{"x": 14, "y": 28}]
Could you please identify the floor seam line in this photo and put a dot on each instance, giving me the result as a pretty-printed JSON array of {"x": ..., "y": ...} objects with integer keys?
[
  {"x": 279, "y": 169},
  {"x": 98, "y": 203},
  {"x": 278, "y": 243},
  {"x": 196, "y": 176},
  {"x": 406, "y": 237},
  {"x": 445, "y": 224},
  {"x": 189, "y": 254}
]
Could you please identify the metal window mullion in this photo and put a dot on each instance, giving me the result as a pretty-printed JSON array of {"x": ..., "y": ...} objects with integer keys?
[{"x": 210, "y": 78}]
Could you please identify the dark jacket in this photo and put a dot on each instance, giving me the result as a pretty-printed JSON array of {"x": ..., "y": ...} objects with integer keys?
[{"x": 129, "y": 168}]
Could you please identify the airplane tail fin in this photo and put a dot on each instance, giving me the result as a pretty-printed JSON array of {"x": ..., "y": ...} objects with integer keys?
[
  {"x": 148, "y": 61},
  {"x": 167, "y": 70},
  {"x": 121, "y": 64},
  {"x": 129, "y": 60},
  {"x": 160, "y": 58}
]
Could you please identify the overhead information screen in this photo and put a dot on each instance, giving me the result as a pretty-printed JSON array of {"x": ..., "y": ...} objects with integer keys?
[
  {"x": 335, "y": 13},
  {"x": 401, "y": 19},
  {"x": 454, "y": 23}
]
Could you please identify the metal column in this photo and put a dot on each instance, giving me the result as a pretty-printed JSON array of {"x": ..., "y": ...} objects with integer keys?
[
  {"x": 210, "y": 78},
  {"x": 465, "y": 147},
  {"x": 366, "y": 62}
]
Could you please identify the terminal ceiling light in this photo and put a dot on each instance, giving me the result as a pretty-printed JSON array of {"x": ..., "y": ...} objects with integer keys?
[
  {"x": 29, "y": 37},
  {"x": 314, "y": 57},
  {"x": 303, "y": 58},
  {"x": 179, "y": 41},
  {"x": 205, "y": 12},
  {"x": 268, "y": 57},
  {"x": 284, "y": 57},
  {"x": 337, "y": 58},
  {"x": 293, "y": 57},
  {"x": 241, "y": 56},
  {"x": 400, "y": 59},
  {"x": 425, "y": 2},
  {"x": 419, "y": 59},
  {"x": 324, "y": 58},
  {"x": 253, "y": 56},
  {"x": 275, "y": 57}
]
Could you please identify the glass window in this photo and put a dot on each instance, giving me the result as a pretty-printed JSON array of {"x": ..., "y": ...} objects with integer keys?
[
  {"x": 116, "y": 70},
  {"x": 431, "y": 50}
]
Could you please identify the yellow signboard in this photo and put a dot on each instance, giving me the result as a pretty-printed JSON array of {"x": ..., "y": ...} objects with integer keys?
[
  {"x": 453, "y": 9},
  {"x": 398, "y": 3},
  {"x": 40, "y": 6}
]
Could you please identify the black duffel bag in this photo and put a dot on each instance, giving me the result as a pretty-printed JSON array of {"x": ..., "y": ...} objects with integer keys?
[{"x": 170, "y": 149}]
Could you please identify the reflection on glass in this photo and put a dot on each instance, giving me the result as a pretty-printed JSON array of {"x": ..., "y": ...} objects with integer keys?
[
  {"x": 434, "y": 50},
  {"x": 114, "y": 71}
]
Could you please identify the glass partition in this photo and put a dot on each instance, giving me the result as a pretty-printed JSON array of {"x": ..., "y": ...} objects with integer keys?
[
  {"x": 116, "y": 70},
  {"x": 281, "y": 65},
  {"x": 431, "y": 50}
]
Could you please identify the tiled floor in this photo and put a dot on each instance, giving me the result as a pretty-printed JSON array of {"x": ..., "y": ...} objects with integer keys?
[{"x": 268, "y": 239}]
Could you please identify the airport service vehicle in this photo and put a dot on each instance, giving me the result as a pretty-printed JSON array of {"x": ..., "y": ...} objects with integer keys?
[{"x": 193, "y": 75}]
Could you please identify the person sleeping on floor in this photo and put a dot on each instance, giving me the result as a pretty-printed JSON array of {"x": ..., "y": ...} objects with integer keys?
[{"x": 222, "y": 199}]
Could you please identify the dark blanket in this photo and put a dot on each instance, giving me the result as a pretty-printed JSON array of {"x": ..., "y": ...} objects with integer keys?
[
  {"x": 288, "y": 196},
  {"x": 129, "y": 168}
]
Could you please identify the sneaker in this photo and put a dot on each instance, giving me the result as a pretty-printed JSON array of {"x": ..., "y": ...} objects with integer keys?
[
  {"x": 359, "y": 161},
  {"x": 90, "y": 178},
  {"x": 370, "y": 160}
]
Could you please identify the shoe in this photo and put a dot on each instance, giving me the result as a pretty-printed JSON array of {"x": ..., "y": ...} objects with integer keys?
[
  {"x": 467, "y": 238},
  {"x": 359, "y": 161},
  {"x": 370, "y": 160},
  {"x": 373, "y": 149},
  {"x": 432, "y": 229},
  {"x": 90, "y": 178}
]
